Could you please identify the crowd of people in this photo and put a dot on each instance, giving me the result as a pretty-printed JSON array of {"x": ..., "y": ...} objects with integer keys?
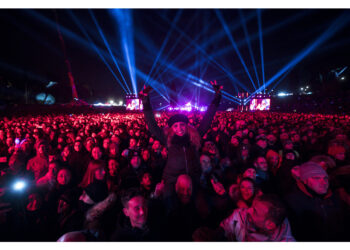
[{"x": 218, "y": 176}]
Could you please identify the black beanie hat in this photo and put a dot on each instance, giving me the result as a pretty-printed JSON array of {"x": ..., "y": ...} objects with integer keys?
[{"x": 177, "y": 118}]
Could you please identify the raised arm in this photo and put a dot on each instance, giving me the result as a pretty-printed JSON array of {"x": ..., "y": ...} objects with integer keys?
[
  {"x": 150, "y": 120},
  {"x": 209, "y": 115}
]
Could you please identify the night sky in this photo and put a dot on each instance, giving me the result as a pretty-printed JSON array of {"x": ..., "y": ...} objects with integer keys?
[{"x": 192, "y": 41}]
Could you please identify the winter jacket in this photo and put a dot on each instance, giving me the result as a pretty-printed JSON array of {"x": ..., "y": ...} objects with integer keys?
[
  {"x": 238, "y": 228},
  {"x": 314, "y": 217},
  {"x": 182, "y": 159}
]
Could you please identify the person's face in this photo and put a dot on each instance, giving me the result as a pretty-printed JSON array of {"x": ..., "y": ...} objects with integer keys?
[
  {"x": 257, "y": 214},
  {"x": 62, "y": 206},
  {"x": 247, "y": 190},
  {"x": 96, "y": 153},
  {"x": 205, "y": 163},
  {"x": 284, "y": 136},
  {"x": 290, "y": 156},
  {"x": 106, "y": 143},
  {"x": 146, "y": 180},
  {"x": 318, "y": 183},
  {"x": 137, "y": 211},
  {"x": 156, "y": 145},
  {"x": 245, "y": 153},
  {"x": 66, "y": 152},
  {"x": 261, "y": 143},
  {"x": 184, "y": 190},
  {"x": 234, "y": 141},
  {"x": 145, "y": 155},
  {"x": 42, "y": 150},
  {"x": 273, "y": 160},
  {"x": 340, "y": 156},
  {"x": 132, "y": 143},
  {"x": 179, "y": 128},
  {"x": 63, "y": 177},
  {"x": 77, "y": 146},
  {"x": 100, "y": 174},
  {"x": 250, "y": 173},
  {"x": 112, "y": 167},
  {"x": 261, "y": 164},
  {"x": 135, "y": 161},
  {"x": 9, "y": 142},
  {"x": 89, "y": 145}
]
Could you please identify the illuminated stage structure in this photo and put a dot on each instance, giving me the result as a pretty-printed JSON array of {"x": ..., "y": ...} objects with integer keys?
[
  {"x": 260, "y": 102},
  {"x": 242, "y": 106},
  {"x": 188, "y": 107},
  {"x": 133, "y": 103}
]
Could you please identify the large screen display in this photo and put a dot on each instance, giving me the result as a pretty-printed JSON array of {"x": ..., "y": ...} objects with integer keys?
[
  {"x": 134, "y": 104},
  {"x": 259, "y": 104}
]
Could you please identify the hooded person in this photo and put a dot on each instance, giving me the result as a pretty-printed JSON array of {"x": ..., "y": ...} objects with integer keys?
[
  {"x": 182, "y": 140},
  {"x": 316, "y": 213}
]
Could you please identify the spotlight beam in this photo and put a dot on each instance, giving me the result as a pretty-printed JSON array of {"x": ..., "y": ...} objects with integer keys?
[
  {"x": 97, "y": 50},
  {"x": 245, "y": 29},
  {"x": 221, "y": 18},
  {"x": 336, "y": 26},
  {"x": 261, "y": 47},
  {"x": 108, "y": 47},
  {"x": 178, "y": 14}
]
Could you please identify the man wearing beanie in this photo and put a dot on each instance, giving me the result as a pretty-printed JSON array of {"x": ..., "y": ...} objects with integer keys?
[
  {"x": 182, "y": 140},
  {"x": 316, "y": 213}
]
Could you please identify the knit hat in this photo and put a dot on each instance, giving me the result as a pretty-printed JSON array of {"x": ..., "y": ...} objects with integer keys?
[
  {"x": 177, "y": 118},
  {"x": 311, "y": 169}
]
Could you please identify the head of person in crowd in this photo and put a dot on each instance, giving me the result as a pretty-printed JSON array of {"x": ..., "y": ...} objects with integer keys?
[
  {"x": 326, "y": 162},
  {"x": 164, "y": 153},
  {"x": 205, "y": 163},
  {"x": 273, "y": 159},
  {"x": 113, "y": 167},
  {"x": 235, "y": 141},
  {"x": 89, "y": 144},
  {"x": 247, "y": 190},
  {"x": 135, "y": 160},
  {"x": 180, "y": 132},
  {"x": 244, "y": 152},
  {"x": 267, "y": 213},
  {"x": 42, "y": 149},
  {"x": 260, "y": 163},
  {"x": 249, "y": 173},
  {"x": 95, "y": 172},
  {"x": 67, "y": 152},
  {"x": 64, "y": 177},
  {"x": 313, "y": 176},
  {"x": 146, "y": 181},
  {"x": 96, "y": 153},
  {"x": 78, "y": 146},
  {"x": 133, "y": 143},
  {"x": 156, "y": 146},
  {"x": 135, "y": 207},
  {"x": 271, "y": 139},
  {"x": 261, "y": 141},
  {"x": 105, "y": 144},
  {"x": 284, "y": 136},
  {"x": 337, "y": 151},
  {"x": 183, "y": 188},
  {"x": 289, "y": 155},
  {"x": 113, "y": 150},
  {"x": 146, "y": 155}
]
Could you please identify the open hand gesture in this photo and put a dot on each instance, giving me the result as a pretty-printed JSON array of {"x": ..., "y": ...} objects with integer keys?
[
  {"x": 216, "y": 87},
  {"x": 145, "y": 91}
]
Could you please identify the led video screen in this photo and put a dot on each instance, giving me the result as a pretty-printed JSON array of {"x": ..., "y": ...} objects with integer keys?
[
  {"x": 134, "y": 104},
  {"x": 259, "y": 104}
]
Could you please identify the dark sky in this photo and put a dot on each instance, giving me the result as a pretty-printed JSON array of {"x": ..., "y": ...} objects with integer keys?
[{"x": 196, "y": 43}]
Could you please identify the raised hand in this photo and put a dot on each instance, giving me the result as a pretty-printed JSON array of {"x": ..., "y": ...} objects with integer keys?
[
  {"x": 216, "y": 87},
  {"x": 145, "y": 91}
]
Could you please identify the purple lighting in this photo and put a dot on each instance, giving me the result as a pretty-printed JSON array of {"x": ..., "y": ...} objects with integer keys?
[{"x": 189, "y": 107}]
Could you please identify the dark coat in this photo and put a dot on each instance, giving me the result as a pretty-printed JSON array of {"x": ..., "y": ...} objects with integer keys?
[
  {"x": 181, "y": 159},
  {"x": 315, "y": 218}
]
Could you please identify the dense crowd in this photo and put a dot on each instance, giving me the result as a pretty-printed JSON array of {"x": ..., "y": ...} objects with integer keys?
[{"x": 234, "y": 176}]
